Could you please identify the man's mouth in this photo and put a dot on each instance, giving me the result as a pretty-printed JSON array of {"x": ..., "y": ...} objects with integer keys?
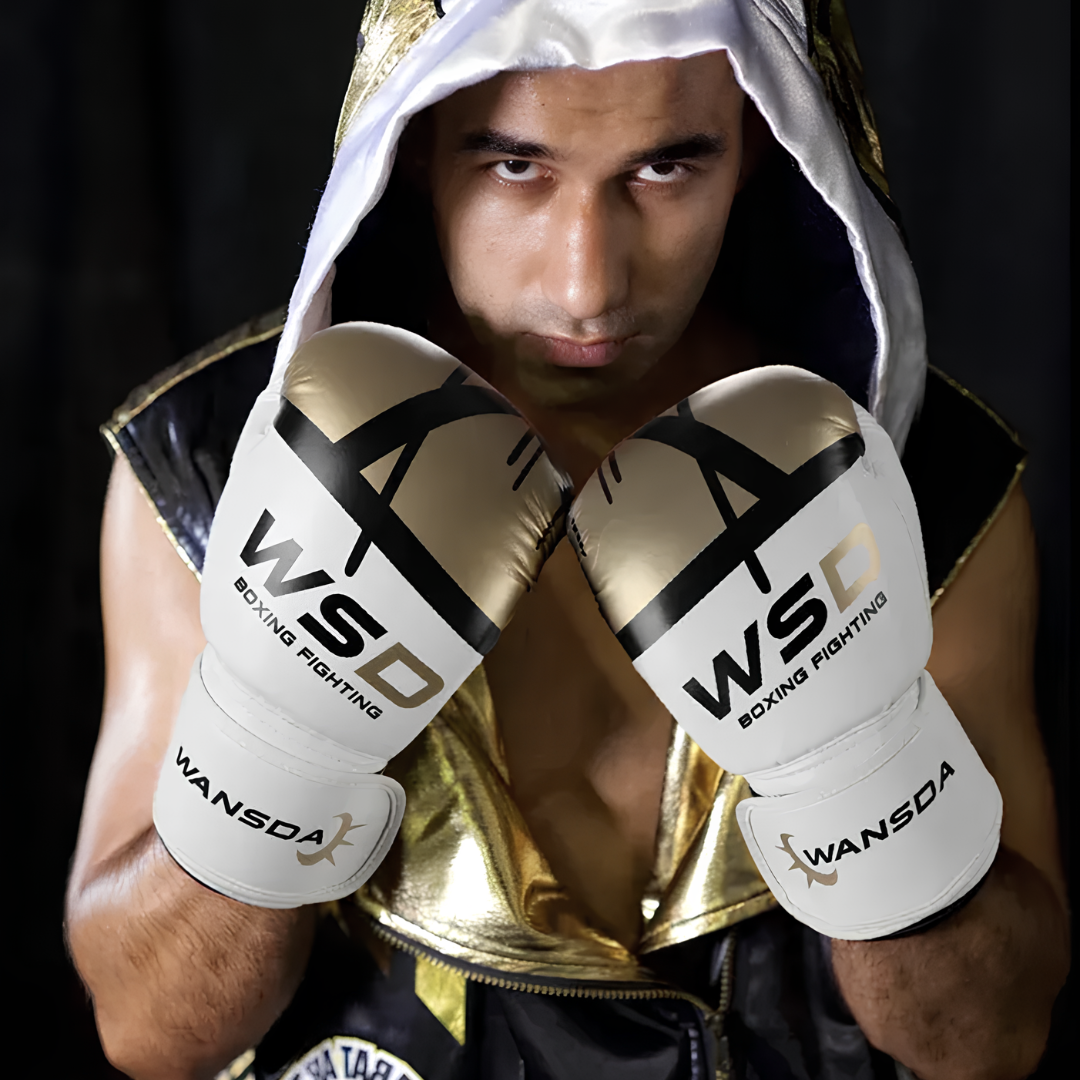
[{"x": 567, "y": 352}]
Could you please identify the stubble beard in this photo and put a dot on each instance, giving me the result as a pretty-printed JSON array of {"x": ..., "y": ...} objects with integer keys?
[{"x": 519, "y": 368}]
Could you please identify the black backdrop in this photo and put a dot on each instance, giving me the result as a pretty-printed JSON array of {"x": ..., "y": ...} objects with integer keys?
[{"x": 162, "y": 163}]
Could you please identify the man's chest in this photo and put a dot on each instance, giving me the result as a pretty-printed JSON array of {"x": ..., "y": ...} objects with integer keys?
[{"x": 586, "y": 743}]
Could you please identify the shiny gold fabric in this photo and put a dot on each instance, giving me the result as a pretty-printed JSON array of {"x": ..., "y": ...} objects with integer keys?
[
  {"x": 835, "y": 58},
  {"x": 466, "y": 880},
  {"x": 442, "y": 990},
  {"x": 703, "y": 877},
  {"x": 388, "y": 30}
]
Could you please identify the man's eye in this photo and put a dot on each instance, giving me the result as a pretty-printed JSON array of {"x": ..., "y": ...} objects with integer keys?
[
  {"x": 517, "y": 170},
  {"x": 661, "y": 172}
]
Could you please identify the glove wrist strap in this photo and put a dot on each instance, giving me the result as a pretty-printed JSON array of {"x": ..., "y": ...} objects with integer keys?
[
  {"x": 913, "y": 828},
  {"x": 250, "y": 819}
]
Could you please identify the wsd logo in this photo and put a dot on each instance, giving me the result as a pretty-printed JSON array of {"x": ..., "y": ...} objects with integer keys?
[{"x": 803, "y": 617}]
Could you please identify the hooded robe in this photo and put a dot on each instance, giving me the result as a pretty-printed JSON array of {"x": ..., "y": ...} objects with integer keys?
[{"x": 486, "y": 966}]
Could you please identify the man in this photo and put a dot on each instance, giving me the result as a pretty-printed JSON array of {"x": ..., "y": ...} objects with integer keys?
[{"x": 595, "y": 226}]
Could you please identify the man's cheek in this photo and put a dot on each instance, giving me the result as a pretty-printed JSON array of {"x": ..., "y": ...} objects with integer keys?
[
  {"x": 673, "y": 276},
  {"x": 685, "y": 244},
  {"x": 482, "y": 295},
  {"x": 666, "y": 290},
  {"x": 491, "y": 275}
]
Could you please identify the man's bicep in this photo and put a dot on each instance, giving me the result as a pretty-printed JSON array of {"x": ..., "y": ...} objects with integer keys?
[
  {"x": 983, "y": 661},
  {"x": 150, "y": 608}
]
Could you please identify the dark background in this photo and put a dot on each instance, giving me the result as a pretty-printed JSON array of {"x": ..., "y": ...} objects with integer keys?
[{"x": 162, "y": 163}]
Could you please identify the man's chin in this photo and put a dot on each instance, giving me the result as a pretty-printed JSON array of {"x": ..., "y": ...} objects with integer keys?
[
  {"x": 551, "y": 380},
  {"x": 553, "y": 386}
]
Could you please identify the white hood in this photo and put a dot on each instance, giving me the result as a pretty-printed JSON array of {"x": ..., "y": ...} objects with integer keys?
[{"x": 767, "y": 44}]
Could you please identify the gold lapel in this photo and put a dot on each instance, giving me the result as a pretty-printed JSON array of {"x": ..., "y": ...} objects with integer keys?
[{"x": 465, "y": 879}]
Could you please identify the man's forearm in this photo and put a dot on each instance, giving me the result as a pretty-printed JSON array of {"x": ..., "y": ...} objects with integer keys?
[
  {"x": 182, "y": 979},
  {"x": 970, "y": 997}
]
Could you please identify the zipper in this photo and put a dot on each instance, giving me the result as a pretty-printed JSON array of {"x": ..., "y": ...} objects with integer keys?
[
  {"x": 715, "y": 1018},
  {"x": 554, "y": 989},
  {"x": 727, "y": 973}
]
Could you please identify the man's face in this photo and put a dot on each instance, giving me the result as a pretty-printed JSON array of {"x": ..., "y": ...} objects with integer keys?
[{"x": 580, "y": 214}]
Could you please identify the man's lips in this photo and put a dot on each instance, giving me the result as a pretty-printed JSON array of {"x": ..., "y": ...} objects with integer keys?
[{"x": 566, "y": 352}]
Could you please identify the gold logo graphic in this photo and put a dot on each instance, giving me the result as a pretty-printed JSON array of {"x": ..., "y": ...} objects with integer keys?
[
  {"x": 812, "y": 875},
  {"x": 371, "y": 673},
  {"x": 860, "y": 536},
  {"x": 339, "y": 840}
]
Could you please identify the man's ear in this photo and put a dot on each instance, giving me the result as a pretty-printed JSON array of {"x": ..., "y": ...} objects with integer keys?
[
  {"x": 415, "y": 151},
  {"x": 757, "y": 142}
]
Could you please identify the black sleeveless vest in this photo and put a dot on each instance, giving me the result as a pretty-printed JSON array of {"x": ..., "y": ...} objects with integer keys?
[{"x": 754, "y": 1000}]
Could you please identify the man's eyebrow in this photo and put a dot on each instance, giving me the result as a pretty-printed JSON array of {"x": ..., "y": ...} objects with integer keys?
[
  {"x": 693, "y": 146},
  {"x": 490, "y": 141}
]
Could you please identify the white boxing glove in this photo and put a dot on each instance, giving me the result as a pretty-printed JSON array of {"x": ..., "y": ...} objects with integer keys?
[
  {"x": 757, "y": 552},
  {"x": 367, "y": 549}
]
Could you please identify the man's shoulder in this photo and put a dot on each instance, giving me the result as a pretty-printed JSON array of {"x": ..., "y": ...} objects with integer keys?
[{"x": 179, "y": 430}]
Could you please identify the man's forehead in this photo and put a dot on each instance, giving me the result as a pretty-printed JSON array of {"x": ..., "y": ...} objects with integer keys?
[{"x": 654, "y": 100}]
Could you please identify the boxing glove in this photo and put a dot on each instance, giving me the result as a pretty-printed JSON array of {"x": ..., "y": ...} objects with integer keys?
[
  {"x": 366, "y": 550},
  {"x": 757, "y": 552}
]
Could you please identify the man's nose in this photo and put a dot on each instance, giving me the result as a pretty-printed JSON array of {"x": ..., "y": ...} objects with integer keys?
[{"x": 587, "y": 269}]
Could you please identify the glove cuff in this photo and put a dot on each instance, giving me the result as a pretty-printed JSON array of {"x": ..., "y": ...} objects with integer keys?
[
  {"x": 912, "y": 828},
  {"x": 255, "y": 814}
]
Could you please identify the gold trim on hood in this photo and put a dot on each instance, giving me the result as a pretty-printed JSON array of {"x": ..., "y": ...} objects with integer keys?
[
  {"x": 388, "y": 30},
  {"x": 831, "y": 46},
  {"x": 465, "y": 880}
]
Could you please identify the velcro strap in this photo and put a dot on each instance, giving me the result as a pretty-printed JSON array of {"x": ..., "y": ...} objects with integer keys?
[
  {"x": 912, "y": 831},
  {"x": 248, "y": 819}
]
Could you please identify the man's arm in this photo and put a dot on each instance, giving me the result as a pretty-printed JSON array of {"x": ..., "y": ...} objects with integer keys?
[
  {"x": 971, "y": 997},
  {"x": 182, "y": 978}
]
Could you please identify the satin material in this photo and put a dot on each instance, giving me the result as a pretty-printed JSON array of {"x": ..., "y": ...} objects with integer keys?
[{"x": 805, "y": 80}]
